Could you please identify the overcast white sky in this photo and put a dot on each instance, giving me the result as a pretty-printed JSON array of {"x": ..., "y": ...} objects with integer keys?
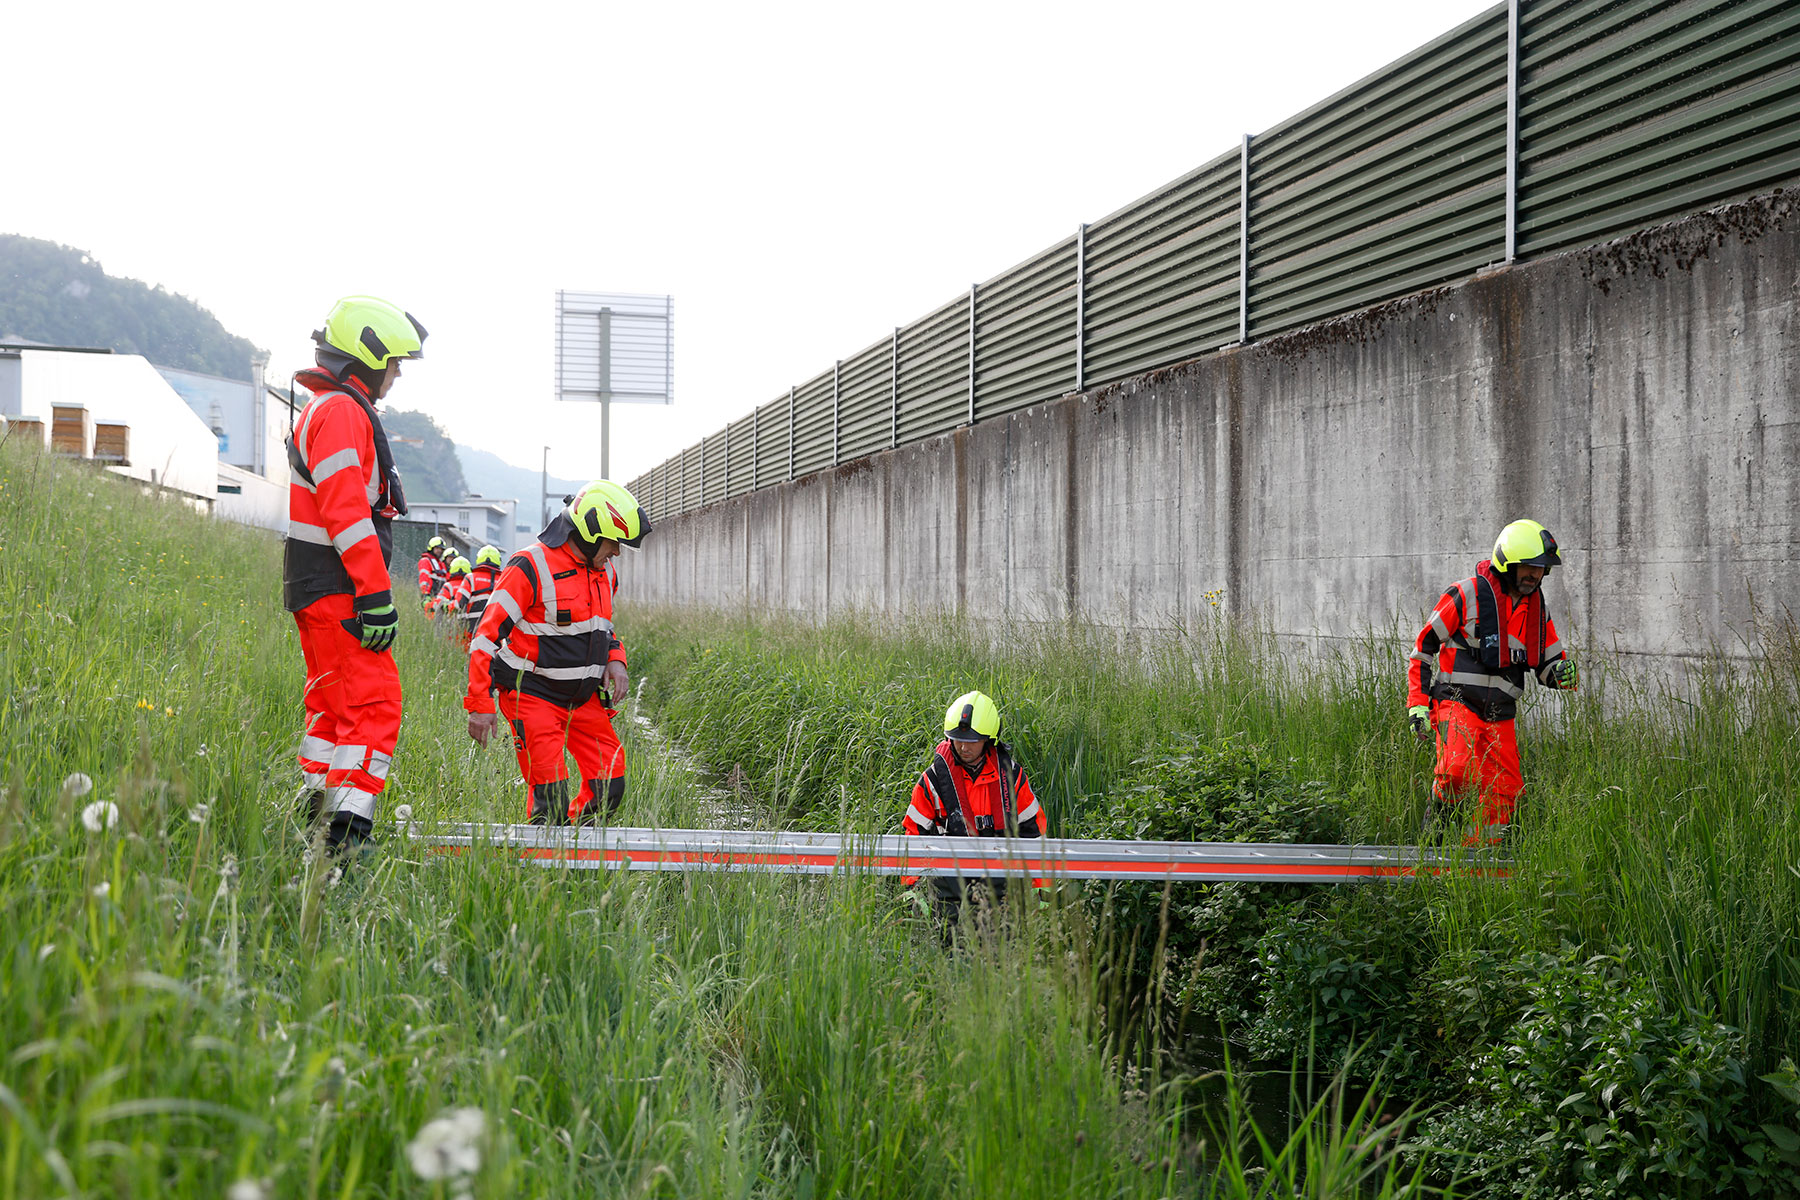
[{"x": 801, "y": 177}]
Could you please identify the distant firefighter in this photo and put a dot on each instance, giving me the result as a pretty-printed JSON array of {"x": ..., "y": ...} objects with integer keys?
[
  {"x": 546, "y": 655},
  {"x": 343, "y": 498},
  {"x": 1468, "y": 672},
  {"x": 431, "y": 569},
  {"x": 974, "y": 787}
]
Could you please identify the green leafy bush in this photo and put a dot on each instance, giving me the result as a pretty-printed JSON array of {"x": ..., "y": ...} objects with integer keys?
[
  {"x": 1339, "y": 982},
  {"x": 1225, "y": 790},
  {"x": 1598, "y": 1089}
]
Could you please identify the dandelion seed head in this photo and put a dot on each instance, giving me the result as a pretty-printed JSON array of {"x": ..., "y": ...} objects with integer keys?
[
  {"x": 402, "y": 815},
  {"x": 100, "y": 815},
  {"x": 250, "y": 1189},
  {"x": 449, "y": 1146},
  {"x": 199, "y": 813},
  {"x": 76, "y": 786}
]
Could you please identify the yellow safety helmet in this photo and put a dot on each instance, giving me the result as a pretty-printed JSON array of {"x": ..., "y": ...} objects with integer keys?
[
  {"x": 369, "y": 331},
  {"x": 971, "y": 717},
  {"x": 1525, "y": 542},
  {"x": 434, "y": 543},
  {"x": 460, "y": 566},
  {"x": 490, "y": 555},
  {"x": 603, "y": 509}
]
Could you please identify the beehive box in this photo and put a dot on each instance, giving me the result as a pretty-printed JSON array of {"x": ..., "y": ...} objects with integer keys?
[
  {"x": 112, "y": 443},
  {"x": 69, "y": 430},
  {"x": 26, "y": 431}
]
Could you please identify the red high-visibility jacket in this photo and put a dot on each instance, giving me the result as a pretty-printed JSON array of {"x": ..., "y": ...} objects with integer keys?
[
  {"x": 455, "y": 592},
  {"x": 948, "y": 798},
  {"x": 481, "y": 586},
  {"x": 547, "y": 629},
  {"x": 1481, "y": 643},
  {"x": 343, "y": 495},
  {"x": 428, "y": 566}
]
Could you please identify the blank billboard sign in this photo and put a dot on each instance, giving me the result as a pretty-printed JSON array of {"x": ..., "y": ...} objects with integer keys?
[{"x": 614, "y": 347}]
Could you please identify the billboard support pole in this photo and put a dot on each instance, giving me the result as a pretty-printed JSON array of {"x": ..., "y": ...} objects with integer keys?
[{"x": 605, "y": 393}]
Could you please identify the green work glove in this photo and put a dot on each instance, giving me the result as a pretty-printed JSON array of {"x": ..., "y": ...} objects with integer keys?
[
  {"x": 1567, "y": 675},
  {"x": 1419, "y": 717},
  {"x": 379, "y": 626}
]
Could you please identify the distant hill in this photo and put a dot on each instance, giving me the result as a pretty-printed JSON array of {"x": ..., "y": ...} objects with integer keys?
[
  {"x": 429, "y": 467},
  {"x": 492, "y": 476},
  {"x": 61, "y": 296}
]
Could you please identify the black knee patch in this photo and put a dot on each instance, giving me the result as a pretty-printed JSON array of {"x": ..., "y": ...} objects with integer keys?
[
  {"x": 550, "y": 803},
  {"x": 614, "y": 792},
  {"x": 347, "y": 831}
]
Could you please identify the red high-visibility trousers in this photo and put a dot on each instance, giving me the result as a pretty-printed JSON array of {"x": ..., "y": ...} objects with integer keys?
[
  {"x": 352, "y": 704},
  {"x": 542, "y": 731},
  {"x": 1476, "y": 757}
]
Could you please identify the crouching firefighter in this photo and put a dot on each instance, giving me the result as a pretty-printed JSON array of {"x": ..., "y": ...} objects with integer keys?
[
  {"x": 974, "y": 787},
  {"x": 545, "y": 652},
  {"x": 342, "y": 498}
]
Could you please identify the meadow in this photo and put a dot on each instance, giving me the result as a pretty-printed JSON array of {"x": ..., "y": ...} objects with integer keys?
[{"x": 189, "y": 1008}]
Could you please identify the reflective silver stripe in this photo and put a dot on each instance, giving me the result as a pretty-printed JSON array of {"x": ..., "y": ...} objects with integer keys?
[
  {"x": 351, "y": 800},
  {"x": 593, "y": 671},
  {"x": 313, "y": 779},
  {"x": 919, "y": 818},
  {"x": 1468, "y": 596},
  {"x": 546, "y": 580},
  {"x": 1553, "y": 650},
  {"x": 348, "y": 758},
  {"x": 1437, "y": 623},
  {"x": 1418, "y": 655},
  {"x": 296, "y": 481},
  {"x": 372, "y": 486},
  {"x": 300, "y": 531},
  {"x": 306, "y": 419},
  {"x": 316, "y": 749},
  {"x": 942, "y": 803},
  {"x": 354, "y": 534},
  {"x": 1498, "y": 682},
  {"x": 544, "y": 629},
  {"x": 333, "y": 463},
  {"x": 380, "y": 764},
  {"x": 483, "y": 645},
  {"x": 1031, "y": 812},
  {"x": 509, "y": 605}
]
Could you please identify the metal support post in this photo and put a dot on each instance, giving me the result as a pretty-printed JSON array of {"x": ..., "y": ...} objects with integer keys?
[
  {"x": 1512, "y": 129},
  {"x": 790, "y": 432},
  {"x": 1244, "y": 242},
  {"x": 605, "y": 392},
  {"x": 972, "y": 353},
  {"x": 837, "y": 369},
  {"x": 1081, "y": 307},
  {"x": 755, "y": 446},
  {"x": 894, "y": 389}
]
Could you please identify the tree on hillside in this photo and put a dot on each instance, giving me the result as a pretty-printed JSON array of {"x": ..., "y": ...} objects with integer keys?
[
  {"x": 59, "y": 295},
  {"x": 425, "y": 455}
]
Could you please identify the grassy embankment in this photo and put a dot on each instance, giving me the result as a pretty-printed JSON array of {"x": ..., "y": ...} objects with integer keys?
[
  {"x": 184, "y": 1008},
  {"x": 1618, "y": 1017}
]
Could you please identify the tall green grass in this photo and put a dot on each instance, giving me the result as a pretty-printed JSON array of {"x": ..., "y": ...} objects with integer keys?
[
  {"x": 186, "y": 1005},
  {"x": 1660, "y": 827}
]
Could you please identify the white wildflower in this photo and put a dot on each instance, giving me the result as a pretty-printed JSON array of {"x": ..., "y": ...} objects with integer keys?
[
  {"x": 449, "y": 1146},
  {"x": 250, "y": 1189},
  {"x": 228, "y": 876},
  {"x": 100, "y": 815},
  {"x": 403, "y": 815},
  {"x": 199, "y": 813},
  {"x": 201, "y": 752},
  {"x": 102, "y": 890},
  {"x": 76, "y": 786}
]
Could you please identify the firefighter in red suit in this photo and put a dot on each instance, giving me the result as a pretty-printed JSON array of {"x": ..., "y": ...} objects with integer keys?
[
  {"x": 974, "y": 787},
  {"x": 343, "y": 496},
  {"x": 1468, "y": 672},
  {"x": 489, "y": 562},
  {"x": 546, "y": 655},
  {"x": 431, "y": 569}
]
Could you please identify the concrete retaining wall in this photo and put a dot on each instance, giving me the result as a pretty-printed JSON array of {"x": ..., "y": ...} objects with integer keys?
[{"x": 1638, "y": 398}]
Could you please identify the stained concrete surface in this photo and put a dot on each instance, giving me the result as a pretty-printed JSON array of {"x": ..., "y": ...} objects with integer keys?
[{"x": 1638, "y": 398}]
